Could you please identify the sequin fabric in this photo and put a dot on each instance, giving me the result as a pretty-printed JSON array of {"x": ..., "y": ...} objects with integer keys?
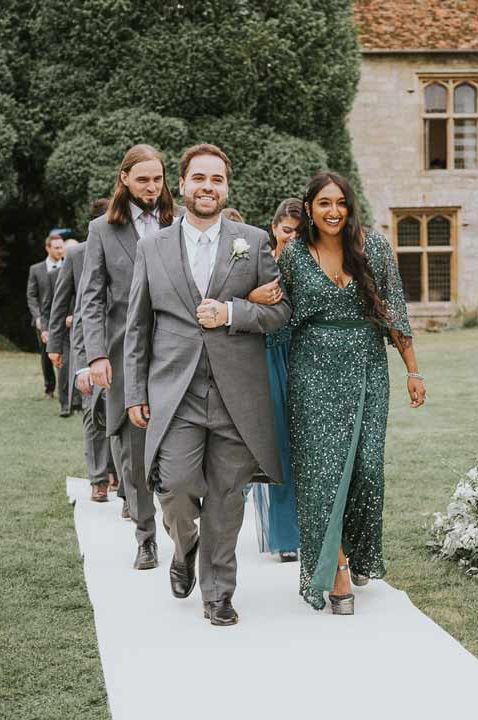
[{"x": 327, "y": 369}]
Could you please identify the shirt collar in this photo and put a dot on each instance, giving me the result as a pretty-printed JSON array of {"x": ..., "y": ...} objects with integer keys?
[
  {"x": 50, "y": 264},
  {"x": 136, "y": 211},
  {"x": 194, "y": 234}
]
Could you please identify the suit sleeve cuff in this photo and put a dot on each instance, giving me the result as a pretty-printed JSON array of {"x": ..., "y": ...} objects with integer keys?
[{"x": 229, "y": 313}]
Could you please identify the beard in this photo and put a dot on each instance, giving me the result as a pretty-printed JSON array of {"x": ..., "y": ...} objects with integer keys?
[
  {"x": 192, "y": 205},
  {"x": 145, "y": 205}
]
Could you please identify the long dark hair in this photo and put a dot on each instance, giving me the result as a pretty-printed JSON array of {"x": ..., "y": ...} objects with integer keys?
[
  {"x": 355, "y": 261},
  {"x": 118, "y": 212}
]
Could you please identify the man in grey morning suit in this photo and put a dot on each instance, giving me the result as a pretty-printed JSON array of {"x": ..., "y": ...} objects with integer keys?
[
  {"x": 60, "y": 313},
  {"x": 141, "y": 200},
  {"x": 196, "y": 376},
  {"x": 66, "y": 290},
  {"x": 39, "y": 290}
]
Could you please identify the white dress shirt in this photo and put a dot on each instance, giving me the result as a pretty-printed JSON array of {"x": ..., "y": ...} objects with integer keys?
[
  {"x": 191, "y": 238},
  {"x": 52, "y": 265}
]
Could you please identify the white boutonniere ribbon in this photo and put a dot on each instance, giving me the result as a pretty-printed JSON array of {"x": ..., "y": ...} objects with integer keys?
[{"x": 240, "y": 249}]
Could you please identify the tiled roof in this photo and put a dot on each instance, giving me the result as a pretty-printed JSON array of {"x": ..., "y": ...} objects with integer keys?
[{"x": 417, "y": 24}]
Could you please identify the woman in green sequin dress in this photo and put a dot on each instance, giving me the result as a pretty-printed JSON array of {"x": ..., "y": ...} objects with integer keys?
[{"x": 347, "y": 296}]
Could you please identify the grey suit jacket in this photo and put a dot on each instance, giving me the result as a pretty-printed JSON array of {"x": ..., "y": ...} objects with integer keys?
[
  {"x": 107, "y": 277},
  {"x": 62, "y": 304},
  {"x": 164, "y": 341},
  {"x": 39, "y": 288},
  {"x": 63, "y": 301}
]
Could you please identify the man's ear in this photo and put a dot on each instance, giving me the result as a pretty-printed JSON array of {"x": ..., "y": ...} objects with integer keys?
[
  {"x": 124, "y": 178},
  {"x": 181, "y": 186}
]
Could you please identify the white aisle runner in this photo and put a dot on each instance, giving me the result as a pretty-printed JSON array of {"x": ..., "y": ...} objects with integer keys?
[{"x": 163, "y": 660}]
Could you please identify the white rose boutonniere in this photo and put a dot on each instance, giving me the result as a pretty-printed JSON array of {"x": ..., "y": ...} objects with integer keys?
[{"x": 240, "y": 249}]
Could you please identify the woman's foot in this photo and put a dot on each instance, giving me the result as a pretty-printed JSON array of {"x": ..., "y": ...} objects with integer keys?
[
  {"x": 342, "y": 584},
  {"x": 288, "y": 555},
  {"x": 341, "y": 598}
]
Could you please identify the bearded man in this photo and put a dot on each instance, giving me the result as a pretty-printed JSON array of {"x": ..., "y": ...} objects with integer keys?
[
  {"x": 141, "y": 201},
  {"x": 196, "y": 376}
]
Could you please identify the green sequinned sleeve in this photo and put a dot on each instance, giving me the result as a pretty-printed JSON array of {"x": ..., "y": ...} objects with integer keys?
[
  {"x": 389, "y": 284},
  {"x": 285, "y": 267}
]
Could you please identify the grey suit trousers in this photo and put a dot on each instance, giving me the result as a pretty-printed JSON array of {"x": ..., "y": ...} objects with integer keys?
[
  {"x": 202, "y": 466},
  {"x": 64, "y": 374},
  {"x": 96, "y": 446},
  {"x": 139, "y": 498}
]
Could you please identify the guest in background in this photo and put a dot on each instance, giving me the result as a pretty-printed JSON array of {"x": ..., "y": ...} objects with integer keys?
[
  {"x": 276, "y": 508},
  {"x": 39, "y": 288},
  {"x": 231, "y": 213},
  {"x": 347, "y": 296}
]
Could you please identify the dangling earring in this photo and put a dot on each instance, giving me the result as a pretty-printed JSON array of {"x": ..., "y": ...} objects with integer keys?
[{"x": 311, "y": 222}]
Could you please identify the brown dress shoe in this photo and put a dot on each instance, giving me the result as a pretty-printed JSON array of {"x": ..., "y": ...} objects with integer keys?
[
  {"x": 125, "y": 511},
  {"x": 99, "y": 492}
]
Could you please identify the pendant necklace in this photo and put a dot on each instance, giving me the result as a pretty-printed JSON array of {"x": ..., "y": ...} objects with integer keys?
[{"x": 336, "y": 274}]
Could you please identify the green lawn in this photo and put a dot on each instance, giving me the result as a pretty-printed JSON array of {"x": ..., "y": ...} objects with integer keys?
[
  {"x": 50, "y": 665},
  {"x": 427, "y": 450}
]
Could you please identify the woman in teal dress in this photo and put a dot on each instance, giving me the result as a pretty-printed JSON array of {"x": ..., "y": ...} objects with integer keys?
[
  {"x": 276, "y": 509},
  {"x": 347, "y": 297}
]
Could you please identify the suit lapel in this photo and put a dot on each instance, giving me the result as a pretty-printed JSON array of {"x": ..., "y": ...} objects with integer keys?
[
  {"x": 128, "y": 239},
  {"x": 170, "y": 253},
  {"x": 224, "y": 261}
]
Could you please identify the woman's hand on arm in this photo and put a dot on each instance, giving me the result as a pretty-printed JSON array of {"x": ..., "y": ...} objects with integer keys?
[{"x": 268, "y": 294}]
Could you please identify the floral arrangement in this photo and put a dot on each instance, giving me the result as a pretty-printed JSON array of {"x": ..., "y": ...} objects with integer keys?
[{"x": 454, "y": 534}]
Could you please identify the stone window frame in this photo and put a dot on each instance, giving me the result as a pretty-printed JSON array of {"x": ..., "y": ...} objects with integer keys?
[
  {"x": 450, "y": 80},
  {"x": 424, "y": 215}
]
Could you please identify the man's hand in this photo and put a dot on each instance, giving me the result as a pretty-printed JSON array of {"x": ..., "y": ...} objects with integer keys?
[
  {"x": 83, "y": 382},
  {"x": 38, "y": 324},
  {"x": 44, "y": 336},
  {"x": 211, "y": 313},
  {"x": 57, "y": 359},
  {"x": 101, "y": 373},
  {"x": 139, "y": 415},
  {"x": 268, "y": 294},
  {"x": 69, "y": 321}
]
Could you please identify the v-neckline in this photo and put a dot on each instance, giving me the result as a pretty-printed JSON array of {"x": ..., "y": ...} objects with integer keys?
[{"x": 317, "y": 266}]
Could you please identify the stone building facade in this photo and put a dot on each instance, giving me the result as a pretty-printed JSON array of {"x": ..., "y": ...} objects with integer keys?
[{"x": 414, "y": 127}]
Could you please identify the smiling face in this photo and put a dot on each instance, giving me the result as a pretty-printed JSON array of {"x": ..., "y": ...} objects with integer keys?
[
  {"x": 329, "y": 210},
  {"x": 144, "y": 182},
  {"x": 285, "y": 231},
  {"x": 205, "y": 187}
]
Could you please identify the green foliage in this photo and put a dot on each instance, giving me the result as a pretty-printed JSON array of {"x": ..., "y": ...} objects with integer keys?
[{"x": 271, "y": 80}]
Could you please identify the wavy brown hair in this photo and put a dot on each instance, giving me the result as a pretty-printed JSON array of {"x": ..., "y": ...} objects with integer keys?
[
  {"x": 355, "y": 261},
  {"x": 118, "y": 212}
]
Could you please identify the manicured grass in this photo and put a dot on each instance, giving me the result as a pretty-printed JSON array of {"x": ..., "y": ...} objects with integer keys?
[
  {"x": 50, "y": 667},
  {"x": 427, "y": 451}
]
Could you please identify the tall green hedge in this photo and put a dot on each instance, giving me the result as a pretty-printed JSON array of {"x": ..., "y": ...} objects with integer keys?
[{"x": 272, "y": 81}]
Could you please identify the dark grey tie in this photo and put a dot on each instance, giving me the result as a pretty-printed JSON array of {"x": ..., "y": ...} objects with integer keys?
[{"x": 202, "y": 264}]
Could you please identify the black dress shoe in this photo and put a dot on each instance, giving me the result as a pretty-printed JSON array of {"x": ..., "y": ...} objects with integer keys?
[
  {"x": 221, "y": 612},
  {"x": 147, "y": 557},
  {"x": 183, "y": 575},
  {"x": 64, "y": 412}
]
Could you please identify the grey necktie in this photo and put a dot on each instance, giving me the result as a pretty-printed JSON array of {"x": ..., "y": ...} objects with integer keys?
[{"x": 202, "y": 264}]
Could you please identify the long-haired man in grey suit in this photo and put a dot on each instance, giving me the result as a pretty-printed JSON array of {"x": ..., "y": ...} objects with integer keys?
[
  {"x": 196, "y": 376},
  {"x": 141, "y": 201}
]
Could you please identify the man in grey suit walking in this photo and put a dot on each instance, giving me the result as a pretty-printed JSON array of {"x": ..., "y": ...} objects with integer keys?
[
  {"x": 196, "y": 376},
  {"x": 39, "y": 290},
  {"x": 141, "y": 201},
  {"x": 67, "y": 287}
]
